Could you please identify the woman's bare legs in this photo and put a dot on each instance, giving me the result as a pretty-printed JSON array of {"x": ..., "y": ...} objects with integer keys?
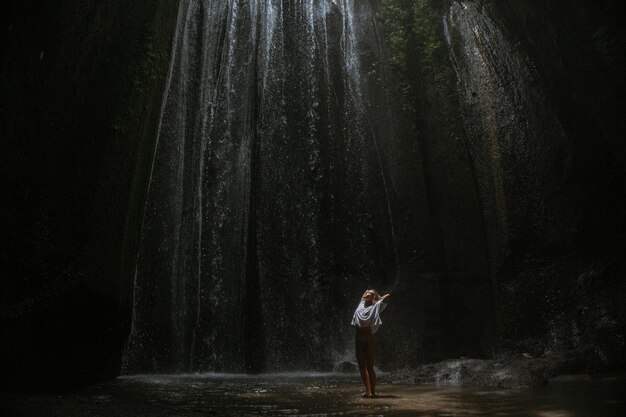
[
  {"x": 364, "y": 343},
  {"x": 370, "y": 367},
  {"x": 361, "y": 357}
]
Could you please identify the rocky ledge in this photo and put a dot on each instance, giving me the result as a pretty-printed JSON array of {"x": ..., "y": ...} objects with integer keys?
[{"x": 516, "y": 371}]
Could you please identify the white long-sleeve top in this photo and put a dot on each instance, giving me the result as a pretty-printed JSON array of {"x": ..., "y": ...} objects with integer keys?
[{"x": 369, "y": 316}]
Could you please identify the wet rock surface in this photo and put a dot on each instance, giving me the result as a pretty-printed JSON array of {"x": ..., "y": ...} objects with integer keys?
[
  {"x": 521, "y": 183},
  {"x": 474, "y": 372},
  {"x": 513, "y": 371}
]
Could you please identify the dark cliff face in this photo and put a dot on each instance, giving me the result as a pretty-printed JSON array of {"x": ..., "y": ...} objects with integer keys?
[
  {"x": 570, "y": 273},
  {"x": 76, "y": 78},
  {"x": 518, "y": 199},
  {"x": 529, "y": 94}
]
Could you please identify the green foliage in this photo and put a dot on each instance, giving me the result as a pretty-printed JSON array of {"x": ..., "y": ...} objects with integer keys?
[
  {"x": 427, "y": 30},
  {"x": 414, "y": 35},
  {"x": 396, "y": 18},
  {"x": 151, "y": 66}
]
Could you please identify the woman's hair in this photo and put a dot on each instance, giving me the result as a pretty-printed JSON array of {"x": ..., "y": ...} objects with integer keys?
[{"x": 376, "y": 294}]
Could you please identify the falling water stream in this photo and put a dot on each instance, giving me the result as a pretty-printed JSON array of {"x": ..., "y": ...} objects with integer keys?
[{"x": 271, "y": 198}]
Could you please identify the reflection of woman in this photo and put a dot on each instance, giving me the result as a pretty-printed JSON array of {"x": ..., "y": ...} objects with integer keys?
[{"x": 366, "y": 320}]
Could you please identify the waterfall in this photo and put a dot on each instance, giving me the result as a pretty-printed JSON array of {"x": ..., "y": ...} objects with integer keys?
[{"x": 271, "y": 200}]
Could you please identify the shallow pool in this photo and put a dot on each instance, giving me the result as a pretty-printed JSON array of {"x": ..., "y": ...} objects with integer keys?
[{"x": 301, "y": 394}]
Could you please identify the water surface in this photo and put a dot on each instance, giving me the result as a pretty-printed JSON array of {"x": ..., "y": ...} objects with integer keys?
[{"x": 302, "y": 394}]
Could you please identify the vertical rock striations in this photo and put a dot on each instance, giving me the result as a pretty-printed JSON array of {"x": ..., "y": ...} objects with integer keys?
[{"x": 530, "y": 95}]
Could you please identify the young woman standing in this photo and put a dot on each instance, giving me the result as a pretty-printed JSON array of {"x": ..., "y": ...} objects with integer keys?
[{"x": 366, "y": 320}]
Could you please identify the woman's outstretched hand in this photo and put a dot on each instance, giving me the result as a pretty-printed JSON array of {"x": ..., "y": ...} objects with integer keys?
[{"x": 385, "y": 298}]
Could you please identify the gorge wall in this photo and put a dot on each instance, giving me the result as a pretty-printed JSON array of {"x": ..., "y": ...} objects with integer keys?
[
  {"x": 78, "y": 82},
  {"x": 527, "y": 94}
]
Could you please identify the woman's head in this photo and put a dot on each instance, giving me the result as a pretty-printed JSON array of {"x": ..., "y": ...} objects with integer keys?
[{"x": 370, "y": 296}]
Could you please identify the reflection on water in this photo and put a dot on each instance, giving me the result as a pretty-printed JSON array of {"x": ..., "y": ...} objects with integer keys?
[{"x": 308, "y": 394}]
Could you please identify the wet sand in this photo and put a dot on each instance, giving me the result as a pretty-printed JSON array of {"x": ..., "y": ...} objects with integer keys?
[{"x": 316, "y": 395}]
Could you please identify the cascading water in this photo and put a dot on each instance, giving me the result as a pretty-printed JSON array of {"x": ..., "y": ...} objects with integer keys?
[{"x": 274, "y": 195}]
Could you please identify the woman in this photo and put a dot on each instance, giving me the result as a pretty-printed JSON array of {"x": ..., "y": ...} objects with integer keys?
[{"x": 366, "y": 320}]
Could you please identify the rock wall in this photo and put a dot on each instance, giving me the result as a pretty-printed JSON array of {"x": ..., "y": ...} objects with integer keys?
[
  {"x": 528, "y": 95},
  {"x": 78, "y": 81}
]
